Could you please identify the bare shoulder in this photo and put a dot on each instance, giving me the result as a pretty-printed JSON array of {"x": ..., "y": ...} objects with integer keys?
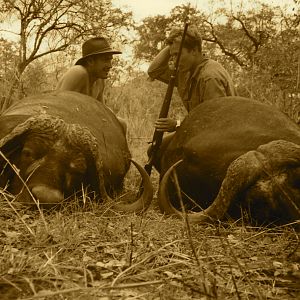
[
  {"x": 75, "y": 79},
  {"x": 77, "y": 70}
]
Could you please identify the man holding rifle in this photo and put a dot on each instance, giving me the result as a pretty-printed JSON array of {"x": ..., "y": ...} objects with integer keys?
[{"x": 198, "y": 79}]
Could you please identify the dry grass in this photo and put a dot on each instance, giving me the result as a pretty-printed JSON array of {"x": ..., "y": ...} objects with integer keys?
[{"x": 90, "y": 252}]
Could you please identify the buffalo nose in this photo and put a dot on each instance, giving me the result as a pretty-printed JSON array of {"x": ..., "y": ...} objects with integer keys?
[{"x": 46, "y": 194}]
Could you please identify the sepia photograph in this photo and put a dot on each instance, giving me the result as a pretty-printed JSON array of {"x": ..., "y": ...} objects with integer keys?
[{"x": 150, "y": 150}]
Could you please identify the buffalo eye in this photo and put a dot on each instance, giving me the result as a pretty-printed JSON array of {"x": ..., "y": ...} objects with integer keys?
[
  {"x": 78, "y": 165},
  {"x": 27, "y": 154},
  {"x": 27, "y": 161},
  {"x": 294, "y": 178},
  {"x": 75, "y": 174},
  {"x": 296, "y": 183},
  {"x": 34, "y": 148}
]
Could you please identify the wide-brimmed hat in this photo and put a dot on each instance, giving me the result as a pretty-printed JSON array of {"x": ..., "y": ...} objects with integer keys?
[{"x": 93, "y": 46}]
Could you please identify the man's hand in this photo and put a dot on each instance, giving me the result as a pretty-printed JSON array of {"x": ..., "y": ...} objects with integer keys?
[{"x": 165, "y": 124}]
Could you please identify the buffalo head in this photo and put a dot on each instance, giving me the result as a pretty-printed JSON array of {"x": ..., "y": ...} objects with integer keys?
[
  {"x": 231, "y": 155},
  {"x": 43, "y": 157}
]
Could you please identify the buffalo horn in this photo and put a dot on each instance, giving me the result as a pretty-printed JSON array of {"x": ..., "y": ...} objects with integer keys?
[
  {"x": 143, "y": 202},
  {"x": 241, "y": 173}
]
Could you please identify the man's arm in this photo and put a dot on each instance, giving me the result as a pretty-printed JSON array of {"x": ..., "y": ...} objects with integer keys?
[{"x": 159, "y": 68}]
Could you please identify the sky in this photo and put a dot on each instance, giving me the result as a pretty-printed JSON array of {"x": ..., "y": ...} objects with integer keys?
[{"x": 145, "y": 8}]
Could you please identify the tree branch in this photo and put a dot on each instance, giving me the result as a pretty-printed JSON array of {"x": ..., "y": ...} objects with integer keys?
[
  {"x": 256, "y": 43},
  {"x": 222, "y": 46}
]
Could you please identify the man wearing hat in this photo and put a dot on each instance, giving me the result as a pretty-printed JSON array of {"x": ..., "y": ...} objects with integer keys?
[{"x": 88, "y": 74}]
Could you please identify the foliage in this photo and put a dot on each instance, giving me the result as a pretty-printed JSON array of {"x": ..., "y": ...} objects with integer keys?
[
  {"x": 152, "y": 32},
  {"x": 34, "y": 79},
  {"x": 139, "y": 101},
  {"x": 49, "y": 26},
  {"x": 151, "y": 36},
  {"x": 8, "y": 59}
]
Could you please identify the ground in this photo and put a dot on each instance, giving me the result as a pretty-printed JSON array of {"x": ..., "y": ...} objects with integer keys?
[{"x": 87, "y": 251}]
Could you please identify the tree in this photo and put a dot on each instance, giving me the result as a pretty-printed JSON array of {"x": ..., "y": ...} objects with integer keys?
[
  {"x": 152, "y": 32},
  {"x": 151, "y": 37},
  {"x": 49, "y": 26},
  {"x": 265, "y": 38},
  {"x": 239, "y": 35},
  {"x": 8, "y": 61}
]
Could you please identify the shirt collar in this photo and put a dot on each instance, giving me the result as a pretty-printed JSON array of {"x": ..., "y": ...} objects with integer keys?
[{"x": 199, "y": 66}]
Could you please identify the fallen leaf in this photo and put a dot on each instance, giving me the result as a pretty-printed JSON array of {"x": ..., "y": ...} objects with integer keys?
[
  {"x": 112, "y": 263},
  {"x": 231, "y": 239},
  {"x": 107, "y": 275},
  {"x": 172, "y": 275},
  {"x": 277, "y": 264}
]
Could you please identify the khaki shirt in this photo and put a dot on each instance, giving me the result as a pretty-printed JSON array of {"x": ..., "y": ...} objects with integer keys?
[
  {"x": 77, "y": 79},
  {"x": 209, "y": 80}
]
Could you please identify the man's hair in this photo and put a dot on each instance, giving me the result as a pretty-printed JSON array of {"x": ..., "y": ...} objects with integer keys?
[
  {"x": 90, "y": 59},
  {"x": 87, "y": 60},
  {"x": 192, "y": 39}
]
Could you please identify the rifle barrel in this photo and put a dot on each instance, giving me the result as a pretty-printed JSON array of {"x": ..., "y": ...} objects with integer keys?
[{"x": 158, "y": 135}]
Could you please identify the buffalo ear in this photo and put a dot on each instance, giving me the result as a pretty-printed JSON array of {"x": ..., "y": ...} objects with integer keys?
[
  {"x": 12, "y": 137},
  {"x": 8, "y": 123},
  {"x": 9, "y": 156},
  {"x": 92, "y": 177}
]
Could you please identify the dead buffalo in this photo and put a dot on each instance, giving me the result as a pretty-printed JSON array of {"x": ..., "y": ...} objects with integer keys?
[
  {"x": 62, "y": 142},
  {"x": 230, "y": 155}
]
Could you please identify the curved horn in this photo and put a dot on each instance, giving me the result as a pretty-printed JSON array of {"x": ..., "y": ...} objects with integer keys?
[
  {"x": 145, "y": 199},
  {"x": 240, "y": 174},
  {"x": 44, "y": 122},
  {"x": 89, "y": 142}
]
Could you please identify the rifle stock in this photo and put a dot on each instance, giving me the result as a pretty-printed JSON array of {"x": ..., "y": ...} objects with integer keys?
[{"x": 158, "y": 135}]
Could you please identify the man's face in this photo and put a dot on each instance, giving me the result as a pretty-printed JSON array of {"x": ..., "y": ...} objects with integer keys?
[
  {"x": 101, "y": 65},
  {"x": 187, "y": 57}
]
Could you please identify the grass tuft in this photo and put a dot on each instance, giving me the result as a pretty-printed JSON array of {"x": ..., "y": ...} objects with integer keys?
[{"x": 90, "y": 252}]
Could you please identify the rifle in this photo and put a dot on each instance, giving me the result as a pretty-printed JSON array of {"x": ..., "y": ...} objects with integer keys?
[{"x": 158, "y": 135}]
